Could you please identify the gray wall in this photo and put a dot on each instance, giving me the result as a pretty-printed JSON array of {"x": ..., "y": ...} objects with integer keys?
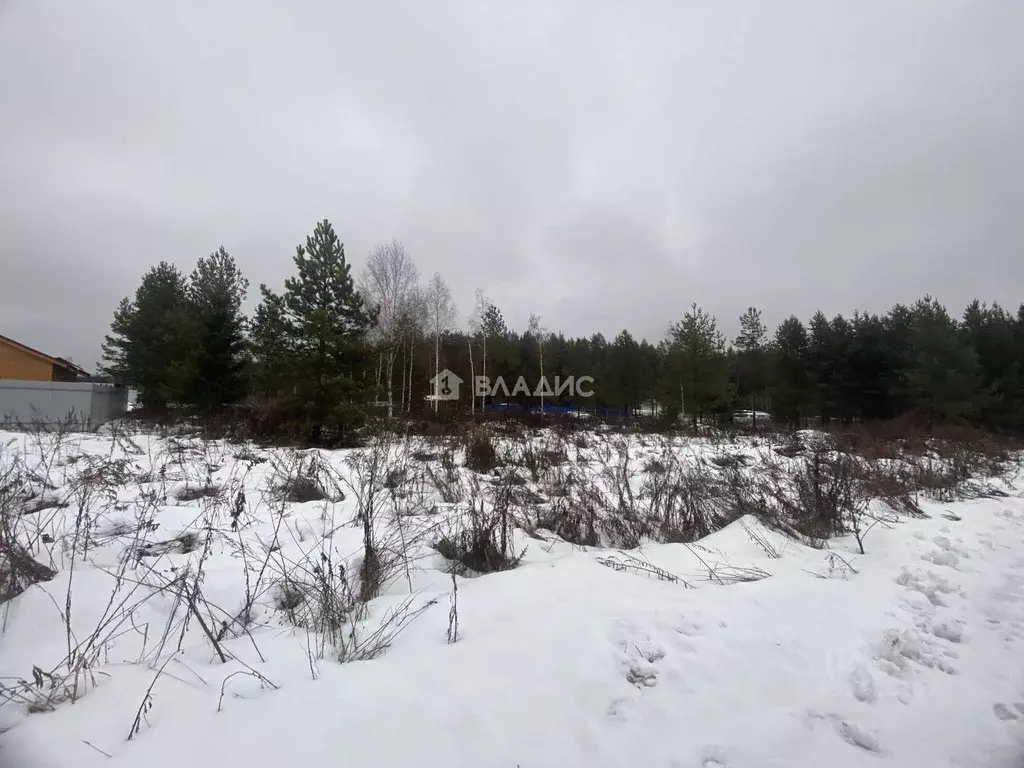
[{"x": 86, "y": 404}]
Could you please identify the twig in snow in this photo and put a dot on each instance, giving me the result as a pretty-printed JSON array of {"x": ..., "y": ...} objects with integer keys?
[
  {"x": 264, "y": 682},
  {"x": 147, "y": 701},
  {"x": 453, "y": 613},
  {"x": 637, "y": 565}
]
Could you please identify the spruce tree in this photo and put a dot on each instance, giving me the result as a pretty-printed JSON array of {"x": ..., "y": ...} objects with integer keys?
[
  {"x": 216, "y": 368},
  {"x": 151, "y": 338}
]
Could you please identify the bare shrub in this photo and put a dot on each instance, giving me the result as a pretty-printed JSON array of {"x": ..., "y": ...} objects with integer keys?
[
  {"x": 315, "y": 594},
  {"x": 182, "y": 545},
  {"x": 573, "y": 518},
  {"x": 537, "y": 457},
  {"x": 288, "y": 597},
  {"x": 678, "y": 501},
  {"x": 824, "y": 493},
  {"x": 790, "y": 449},
  {"x": 301, "y": 480},
  {"x": 188, "y": 494},
  {"x": 729, "y": 460},
  {"x": 554, "y": 455},
  {"x": 302, "y": 489},
  {"x": 379, "y": 475},
  {"x": 18, "y": 568},
  {"x": 445, "y": 477},
  {"x": 481, "y": 542},
  {"x": 481, "y": 455},
  {"x": 531, "y": 459},
  {"x": 655, "y": 467},
  {"x": 761, "y": 541},
  {"x": 690, "y": 502},
  {"x": 250, "y": 457},
  {"x": 560, "y": 482},
  {"x": 893, "y": 481}
]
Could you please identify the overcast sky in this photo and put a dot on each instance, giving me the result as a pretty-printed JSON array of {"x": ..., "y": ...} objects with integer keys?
[{"x": 602, "y": 163}]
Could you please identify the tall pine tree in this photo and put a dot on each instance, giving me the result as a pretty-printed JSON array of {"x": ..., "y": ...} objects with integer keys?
[
  {"x": 324, "y": 323},
  {"x": 944, "y": 376},
  {"x": 751, "y": 376},
  {"x": 792, "y": 383},
  {"x": 700, "y": 350}
]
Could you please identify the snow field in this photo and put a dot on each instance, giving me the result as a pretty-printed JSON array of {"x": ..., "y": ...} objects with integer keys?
[{"x": 747, "y": 648}]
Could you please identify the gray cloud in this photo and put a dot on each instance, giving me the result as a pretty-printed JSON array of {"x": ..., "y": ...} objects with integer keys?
[{"x": 604, "y": 164}]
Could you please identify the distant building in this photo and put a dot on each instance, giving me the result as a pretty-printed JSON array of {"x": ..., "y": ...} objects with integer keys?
[
  {"x": 23, "y": 363},
  {"x": 751, "y": 417},
  {"x": 38, "y": 389}
]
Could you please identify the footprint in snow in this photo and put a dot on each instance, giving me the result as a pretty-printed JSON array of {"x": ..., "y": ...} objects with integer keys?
[
  {"x": 956, "y": 546},
  {"x": 638, "y": 660},
  {"x": 1003, "y": 712},
  {"x": 714, "y": 757},
  {"x": 617, "y": 710},
  {"x": 689, "y": 628},
  {"x": 929, "y": 584},
  {"x": 642, "y": 675},
  {"x": 902, "y": 650},
  {"x": 857, "y": 737},
  {"x": 852, "y": 734},
  {"x": 863, "y": 685},
  {"x": 942, "y": 557},
  {"x": 951, "y": 631}
]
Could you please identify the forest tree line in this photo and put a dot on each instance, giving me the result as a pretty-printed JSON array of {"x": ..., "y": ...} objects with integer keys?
[{"x": 329, "y": 346}]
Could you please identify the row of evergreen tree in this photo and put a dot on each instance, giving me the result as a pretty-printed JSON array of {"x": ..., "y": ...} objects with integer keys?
[{"x": 329, "y": 348}]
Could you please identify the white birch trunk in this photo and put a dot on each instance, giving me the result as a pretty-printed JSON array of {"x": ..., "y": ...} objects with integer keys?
[
  {"x": 472, "y": 376},
  {"x": 540, "y": 346},
  {"x": 412, "y": 356},
  {"x": 483, "y": 399},
  {"x": 391, "y": 381},
  {"x": 437, "y": 365}
]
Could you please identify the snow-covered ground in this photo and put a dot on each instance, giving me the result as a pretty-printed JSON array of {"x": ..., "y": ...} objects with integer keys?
[{"x": 746, "y": 649}]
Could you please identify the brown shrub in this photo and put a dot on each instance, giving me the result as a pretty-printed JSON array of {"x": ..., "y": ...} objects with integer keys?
[{"x": 481, "y": 455}]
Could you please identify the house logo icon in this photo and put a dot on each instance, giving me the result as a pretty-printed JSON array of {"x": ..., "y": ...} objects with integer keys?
[{"x": 445, "y": 386}]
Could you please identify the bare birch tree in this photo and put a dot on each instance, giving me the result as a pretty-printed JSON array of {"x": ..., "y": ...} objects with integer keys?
[
  {"x": 538, "y": 334},
  {"x": 440, "y": 315},
  {"x": 478, "y": 326},
  {"x": 389, "y": 285},
  {"x": 411, "y": 325}
]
